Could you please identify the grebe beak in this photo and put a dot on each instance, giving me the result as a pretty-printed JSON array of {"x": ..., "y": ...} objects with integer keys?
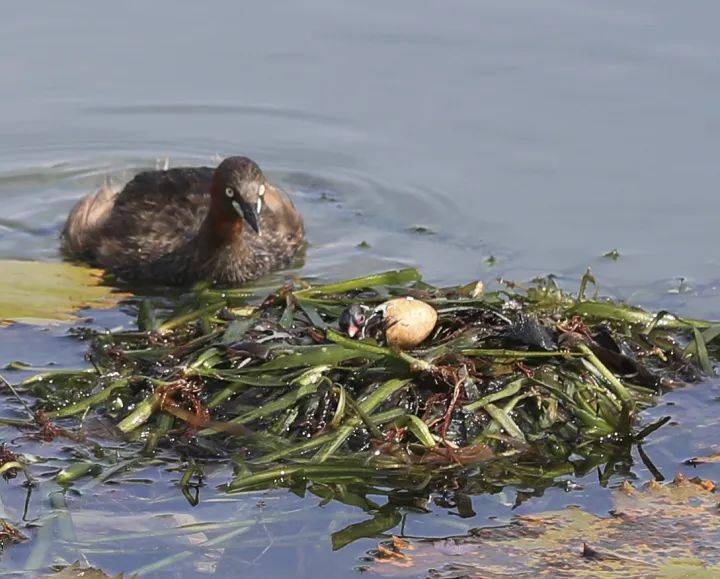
[{"x": 249, "y": 213}]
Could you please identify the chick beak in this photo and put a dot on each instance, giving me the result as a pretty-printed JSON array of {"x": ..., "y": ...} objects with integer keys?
[
  {"x": 250, "y": 214},
  {"x": 352, "y": 330}
]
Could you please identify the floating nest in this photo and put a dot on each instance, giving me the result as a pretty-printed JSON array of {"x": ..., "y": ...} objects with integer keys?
[{"x": 515, "y": 381}]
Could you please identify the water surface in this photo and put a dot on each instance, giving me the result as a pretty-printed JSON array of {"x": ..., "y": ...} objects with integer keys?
[{"x": 542, "y": 134}]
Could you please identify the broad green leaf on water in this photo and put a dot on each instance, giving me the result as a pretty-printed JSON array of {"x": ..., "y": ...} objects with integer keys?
[{"x": 39, "y": 292}]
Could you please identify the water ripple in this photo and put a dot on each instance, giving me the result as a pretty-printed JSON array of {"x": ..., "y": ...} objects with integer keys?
[{"x": 214, "y": 109}]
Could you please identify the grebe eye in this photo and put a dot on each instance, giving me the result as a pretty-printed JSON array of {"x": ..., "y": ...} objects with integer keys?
[{"x": 229, "y": 192}]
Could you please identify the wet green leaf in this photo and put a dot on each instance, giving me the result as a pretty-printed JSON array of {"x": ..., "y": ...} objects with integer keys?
[
  {"x": 617, "y": 312},
  {"x": 702, "y": 353},
  {"x": 40, "y": 292},
  {"x": 77, "y": 470},
  {"x": 419, "y": 429},
  {"x": 398, "y": 277}
]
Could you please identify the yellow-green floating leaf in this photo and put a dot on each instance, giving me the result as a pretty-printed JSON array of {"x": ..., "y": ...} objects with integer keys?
[{"x": 40, "y": 292}]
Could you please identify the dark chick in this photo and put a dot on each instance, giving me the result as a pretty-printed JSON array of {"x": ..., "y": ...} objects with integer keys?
[
  {"x": 353, "y": 319},
  {"x": 228, "y": 225}
]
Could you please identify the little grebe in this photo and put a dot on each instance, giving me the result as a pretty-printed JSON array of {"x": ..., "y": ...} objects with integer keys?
[{"x": 188, "y": 224}]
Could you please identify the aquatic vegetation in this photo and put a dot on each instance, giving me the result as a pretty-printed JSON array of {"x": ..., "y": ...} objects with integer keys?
[
  {"x": 40, "y": 292},
  {"x": 76, "y": 570},
  {"x": 8, "y": 462},
  {"x": 640, "y": 539},
  {"x": 9, "y": 534},
  {"x": 519, "y": 371},
  {"x": 519, "y": 385}
]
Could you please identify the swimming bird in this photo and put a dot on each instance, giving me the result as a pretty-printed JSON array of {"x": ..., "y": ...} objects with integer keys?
[{"x": 178, "y": 226}]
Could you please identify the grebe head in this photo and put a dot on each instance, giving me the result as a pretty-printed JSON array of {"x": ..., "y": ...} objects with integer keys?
[{"x": 238, "y": 189}]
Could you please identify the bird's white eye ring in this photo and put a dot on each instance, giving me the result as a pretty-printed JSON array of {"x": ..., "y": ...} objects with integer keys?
[
  {"x": 229, "y": 192},
  {"x": 261, "y": 191}
]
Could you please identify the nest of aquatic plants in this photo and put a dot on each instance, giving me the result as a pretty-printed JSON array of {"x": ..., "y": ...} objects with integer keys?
[{"x": 521, "y": 372}]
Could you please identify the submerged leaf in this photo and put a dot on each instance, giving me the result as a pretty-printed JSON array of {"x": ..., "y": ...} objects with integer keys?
[
  {"x": 384, "y": 520},
  {"x": 77, "y": 571},
  {"x": 661, "y": 531}
]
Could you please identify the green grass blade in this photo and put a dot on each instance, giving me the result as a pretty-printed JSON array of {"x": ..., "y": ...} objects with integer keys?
[
  {"x": 701, "y": 353},
  {"x": 396, "y": 277},
  {"x": 509, "y": 390},
  {"x": 500, "y": 416}
]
